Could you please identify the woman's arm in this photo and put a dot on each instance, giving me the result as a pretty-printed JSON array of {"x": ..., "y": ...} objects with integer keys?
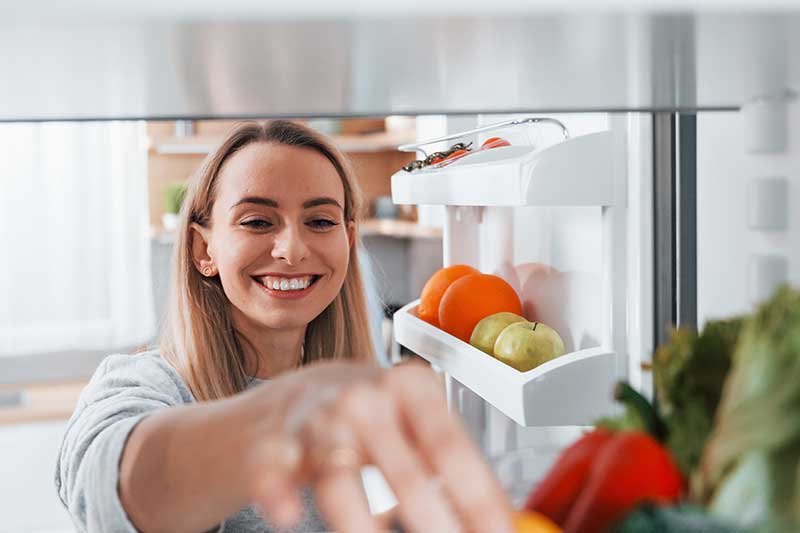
[
  {"x": 136, "y": 437},
  {"x": 182, "y": 468},
  {"x": 187, "y": 468}
]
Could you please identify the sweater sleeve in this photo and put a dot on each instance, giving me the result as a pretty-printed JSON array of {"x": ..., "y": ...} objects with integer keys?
[{"x": 123, "y": 390}]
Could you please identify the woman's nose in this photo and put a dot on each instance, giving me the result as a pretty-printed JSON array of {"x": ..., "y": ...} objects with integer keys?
[{"x": 290, "y": 246}]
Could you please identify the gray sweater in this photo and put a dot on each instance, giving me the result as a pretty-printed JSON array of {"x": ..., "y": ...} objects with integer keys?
[{"x": 123, "y": 390}]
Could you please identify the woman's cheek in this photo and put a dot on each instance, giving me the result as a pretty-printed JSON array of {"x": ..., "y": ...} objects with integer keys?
[
  {"x": 243, "y": 250},
  {"x": 340, "y": 255}
]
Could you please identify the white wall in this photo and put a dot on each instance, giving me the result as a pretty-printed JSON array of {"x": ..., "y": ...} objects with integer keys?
[{"x": 726, "y": 243}]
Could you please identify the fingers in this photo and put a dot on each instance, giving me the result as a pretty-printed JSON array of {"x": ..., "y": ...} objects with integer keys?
[
  {"x": 275, "y": 490},
  {"x": 340, "y": 496},
  {"x": 376, "y": 421},
  {"x": 470, "y": 485},
  {"x": 397, "y": 420},
  {"x": 333, "y": 463},
  {"x": 278, "y": 500}
]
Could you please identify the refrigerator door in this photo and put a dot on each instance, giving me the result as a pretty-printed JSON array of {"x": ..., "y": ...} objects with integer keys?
[{"x": 563, "y": 222}]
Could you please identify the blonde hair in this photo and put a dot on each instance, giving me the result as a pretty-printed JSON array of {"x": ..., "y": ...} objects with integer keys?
[{"x": 199, "y": 338}]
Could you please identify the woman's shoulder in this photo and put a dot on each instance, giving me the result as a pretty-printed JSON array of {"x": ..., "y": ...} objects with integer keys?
[{"x": 137, "y": 374}]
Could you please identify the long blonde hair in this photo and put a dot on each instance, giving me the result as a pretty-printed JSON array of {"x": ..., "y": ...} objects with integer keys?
[{"x": 199, "y": 338}]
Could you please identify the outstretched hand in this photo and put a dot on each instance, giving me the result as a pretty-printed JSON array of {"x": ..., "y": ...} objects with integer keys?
[{"x": 338, "y": 417}]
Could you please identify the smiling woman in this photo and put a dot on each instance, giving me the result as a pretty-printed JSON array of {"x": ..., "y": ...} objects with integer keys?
[
  {"x": 266, "y": 281},
  {"x": 285, "y": 206}
]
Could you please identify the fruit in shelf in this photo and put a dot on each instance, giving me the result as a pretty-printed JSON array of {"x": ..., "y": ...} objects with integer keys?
[
  {"x": 494, "y": 142},
  {"x": 473, "y": 297},
  {"x": 526, "y": 345},
  {"x": 526, "y": 271},
  {"x": 434, "y": 289},
  {"x": 452, "y": 158},
  {"x": 457, "y": 154},
  {"x": 439, "y": 157},
  {"x": 488, "y": 329},
  {"x": 508, "y": 272},
  {"x": 533, "y": 522}
]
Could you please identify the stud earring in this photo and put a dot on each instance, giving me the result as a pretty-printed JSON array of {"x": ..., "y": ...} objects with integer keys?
[{"x": 207, "y": 271}]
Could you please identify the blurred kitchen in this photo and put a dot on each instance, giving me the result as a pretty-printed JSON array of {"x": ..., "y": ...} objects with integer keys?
[
  {"x": 80, "y": 292},
  {"x": 105, "y": 115}
]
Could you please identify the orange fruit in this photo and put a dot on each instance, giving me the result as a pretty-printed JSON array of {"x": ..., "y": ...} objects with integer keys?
[
  {"x": 432, "y": 292},
  {"x": 473, "y": 297},
  {"x": 533, "y": 522}
]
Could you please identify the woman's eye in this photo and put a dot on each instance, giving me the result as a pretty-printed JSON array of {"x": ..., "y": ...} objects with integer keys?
[
  {"x": 322, "y": 223},
  {"x": 257, "y": 224}
]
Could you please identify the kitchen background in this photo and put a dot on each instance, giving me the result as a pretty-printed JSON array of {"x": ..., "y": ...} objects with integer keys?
[
  {"x": 86, "y": 234},
  {"x": 89, "y": 213}
]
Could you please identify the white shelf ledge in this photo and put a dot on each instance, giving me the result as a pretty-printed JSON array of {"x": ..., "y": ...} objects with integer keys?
[
  {"x": 571, "y": 390},
  {"x": 576, "y": 172}
]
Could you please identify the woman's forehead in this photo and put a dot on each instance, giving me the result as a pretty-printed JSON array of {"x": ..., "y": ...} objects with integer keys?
[{"x": 289, "y": 174}]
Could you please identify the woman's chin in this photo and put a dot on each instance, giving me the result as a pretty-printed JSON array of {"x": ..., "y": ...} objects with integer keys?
[
  {"x": 286, "y": 325},
  {"x": 278, "y": 320}
]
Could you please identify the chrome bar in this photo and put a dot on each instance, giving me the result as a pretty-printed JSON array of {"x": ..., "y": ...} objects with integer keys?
[{"x": 532, "y": 120}]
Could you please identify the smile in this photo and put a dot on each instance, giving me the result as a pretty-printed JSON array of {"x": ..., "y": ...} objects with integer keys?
[{"x": 285, "y": 286}]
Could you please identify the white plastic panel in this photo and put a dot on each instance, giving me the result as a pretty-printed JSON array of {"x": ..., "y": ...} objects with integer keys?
[
  {"x": 578, "y": 171},
  {"x": 767, "y": 203},
  {"x": 733, "y": 215},
  {"x": 767, "y": 272},
  {"x": 765, "y": 125}
]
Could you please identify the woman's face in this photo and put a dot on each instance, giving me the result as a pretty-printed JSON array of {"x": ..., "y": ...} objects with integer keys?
[{"x": 278, "y": 237}]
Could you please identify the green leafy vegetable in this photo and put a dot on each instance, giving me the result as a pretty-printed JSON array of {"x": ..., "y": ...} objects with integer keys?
[
  {"x": 684, "y": 519},
  {"x": 755, "y": 446},
  {"x": 689, "y": 374}
]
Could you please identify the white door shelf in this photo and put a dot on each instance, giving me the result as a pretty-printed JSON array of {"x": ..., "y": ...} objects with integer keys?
[
  {"x": 574, "y": 389},
  {"x": 576, "y": 172}
]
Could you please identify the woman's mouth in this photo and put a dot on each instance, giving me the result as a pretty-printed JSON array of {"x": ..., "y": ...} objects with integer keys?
[{"x": 288, "y": 287}]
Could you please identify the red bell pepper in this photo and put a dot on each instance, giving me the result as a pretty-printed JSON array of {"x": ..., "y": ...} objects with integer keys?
[
  {"x": 631, "y": 469},
  {"x": 605, "y": 474},
  {"x": 557, "y": 492}
]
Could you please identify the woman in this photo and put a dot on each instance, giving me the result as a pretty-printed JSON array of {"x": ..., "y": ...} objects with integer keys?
[{"x": 267, "y": 287}]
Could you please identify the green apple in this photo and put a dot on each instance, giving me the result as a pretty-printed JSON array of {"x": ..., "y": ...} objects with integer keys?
[
  {"x": 487, "y": 330},
  {"x": 526, "y": 345}
]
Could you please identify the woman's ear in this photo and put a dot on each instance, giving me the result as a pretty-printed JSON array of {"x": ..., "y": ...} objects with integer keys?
[{"x": 201, "y": 257}]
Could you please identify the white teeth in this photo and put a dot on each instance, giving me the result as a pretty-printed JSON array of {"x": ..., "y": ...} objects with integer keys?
[{"x": 286, "y": 284}]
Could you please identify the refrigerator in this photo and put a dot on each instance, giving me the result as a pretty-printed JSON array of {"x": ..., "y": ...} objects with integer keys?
[{"x": 651, "y": 173}]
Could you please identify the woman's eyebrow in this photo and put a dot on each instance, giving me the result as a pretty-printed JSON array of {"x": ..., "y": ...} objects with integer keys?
[
  {"x": 256, "y": 200},
  {"x": 325, "y": 200}
]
